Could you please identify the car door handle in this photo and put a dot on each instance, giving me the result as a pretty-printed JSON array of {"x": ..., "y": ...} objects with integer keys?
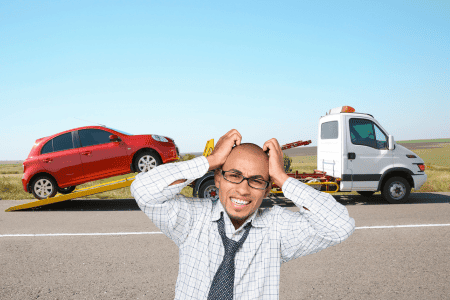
[
  {"x": 47, "y": 160},
  {"x": 86, "y": 153},
  {"x": 351, "y": 155}
]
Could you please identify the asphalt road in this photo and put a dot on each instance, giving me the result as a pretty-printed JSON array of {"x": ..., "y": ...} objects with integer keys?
[{"x": 374, "y": 263}]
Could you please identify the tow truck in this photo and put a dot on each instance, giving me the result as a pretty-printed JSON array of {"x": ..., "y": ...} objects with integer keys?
[{"x": 354, "y": 153}]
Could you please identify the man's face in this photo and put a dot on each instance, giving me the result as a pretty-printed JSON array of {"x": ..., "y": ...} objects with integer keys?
[{"x": 250, "y": 164}]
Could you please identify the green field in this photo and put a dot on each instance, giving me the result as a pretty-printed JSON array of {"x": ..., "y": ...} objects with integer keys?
[
  {"x": 437, "y": 161},
  {"x": 425, "y": 141}
]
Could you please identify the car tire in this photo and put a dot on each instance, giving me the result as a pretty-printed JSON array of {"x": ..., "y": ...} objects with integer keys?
[
  {"x": 209, "y": 190},
  {"x": 366, "y": 193},
  {"x": 396, "y": 190},
  {"x": 43, "y": 187},
  {"x": 66, "y": 190},
  {"x": 145, "y": 161}
]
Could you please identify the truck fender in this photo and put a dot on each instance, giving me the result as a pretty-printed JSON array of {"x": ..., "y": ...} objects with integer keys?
[
  {"x": 198, "y": 182},
  {"x": 396, "y": 170}
]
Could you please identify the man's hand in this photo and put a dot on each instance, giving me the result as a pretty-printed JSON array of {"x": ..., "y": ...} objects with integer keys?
[
  {"x": 223, "y": 148},
  {"x": 276, "y": 162}
]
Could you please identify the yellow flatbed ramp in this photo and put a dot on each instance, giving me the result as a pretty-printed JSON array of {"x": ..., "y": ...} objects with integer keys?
[{"x": 100, "y": 188}]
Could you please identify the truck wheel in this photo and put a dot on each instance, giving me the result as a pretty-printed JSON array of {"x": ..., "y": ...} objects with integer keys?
[
  {"x": 365, "y": 193},
  {"x": 209, "y": 190},
  {"x": 396, "y": 190},
  {"x": 145, "y": 161},
  {"x": 43, "y": 187},
  {"x": 66, "y": 190}
]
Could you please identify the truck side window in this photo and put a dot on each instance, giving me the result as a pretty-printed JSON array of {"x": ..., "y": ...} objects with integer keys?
[
  {"x": 381, "y": 138},
  {"x": 329, "y": 130},
  {"x": 362, "y": 132}
]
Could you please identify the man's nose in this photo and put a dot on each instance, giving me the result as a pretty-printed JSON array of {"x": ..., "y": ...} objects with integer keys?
[{"x": 243, "y": 188}]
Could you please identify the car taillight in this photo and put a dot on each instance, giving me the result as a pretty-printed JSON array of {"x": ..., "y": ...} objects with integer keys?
[{"x": 421, "y": 167}]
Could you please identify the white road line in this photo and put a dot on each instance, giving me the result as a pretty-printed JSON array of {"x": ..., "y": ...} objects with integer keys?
[
  {"x": 83, "y": 234},
  {"x": 159, "y": 232},
  {"x": 402, "y": 226}
]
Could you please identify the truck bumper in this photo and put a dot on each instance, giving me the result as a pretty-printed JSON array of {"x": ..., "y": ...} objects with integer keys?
[{"x": 419, "y": 180}]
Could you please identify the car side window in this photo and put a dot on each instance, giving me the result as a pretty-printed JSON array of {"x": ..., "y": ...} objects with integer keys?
[
  {"x": 90, "y": 137},
  {"x": 48, "y": 147},
  {"x": 380, "y": 138},
  {"x": 63, "y": 142},
  {"x": 362, "y": 132}
]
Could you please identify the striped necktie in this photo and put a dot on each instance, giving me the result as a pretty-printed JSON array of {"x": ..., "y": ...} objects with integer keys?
[{"x": 223, "y": 282}]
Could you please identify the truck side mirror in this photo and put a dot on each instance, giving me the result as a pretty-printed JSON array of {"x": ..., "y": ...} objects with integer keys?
[{"x": 391, "y": 143}]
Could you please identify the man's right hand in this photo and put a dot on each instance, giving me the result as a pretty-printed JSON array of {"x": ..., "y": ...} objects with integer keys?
[{"x": 223, "y": 149}]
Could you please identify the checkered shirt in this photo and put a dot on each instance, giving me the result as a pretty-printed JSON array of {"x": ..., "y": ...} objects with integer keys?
[{"x": 277, "y": 234}]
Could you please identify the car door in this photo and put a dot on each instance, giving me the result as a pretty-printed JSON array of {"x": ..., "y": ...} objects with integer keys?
[
  {"x": 367, "y": 153},
  {"x": 62, "y": 160},
  {"x": 100, "y": 157}
]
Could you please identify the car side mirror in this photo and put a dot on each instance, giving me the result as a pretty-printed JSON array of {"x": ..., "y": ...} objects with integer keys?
[
  {"x": 114, "y": 138},
  {"x": 391, "y": 143}
]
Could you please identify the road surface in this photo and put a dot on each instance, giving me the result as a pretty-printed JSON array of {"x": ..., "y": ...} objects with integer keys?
[{"x": 109, "y": 249}]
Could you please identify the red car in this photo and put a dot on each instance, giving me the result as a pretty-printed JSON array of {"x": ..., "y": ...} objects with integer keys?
[{"x": 64, "y": 160}]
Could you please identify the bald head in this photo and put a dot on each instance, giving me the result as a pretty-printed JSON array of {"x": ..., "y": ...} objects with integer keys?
[{"x": 251, "y": 155}]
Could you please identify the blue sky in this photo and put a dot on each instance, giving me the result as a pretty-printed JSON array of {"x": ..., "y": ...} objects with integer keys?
[{"x": 192, "y": 70}]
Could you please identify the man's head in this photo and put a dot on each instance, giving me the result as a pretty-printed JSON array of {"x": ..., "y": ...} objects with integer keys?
[{"x": 239, "y": 199}]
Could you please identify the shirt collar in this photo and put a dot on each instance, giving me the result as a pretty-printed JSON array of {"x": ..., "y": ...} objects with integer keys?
[{"x": 256, "y": 218}]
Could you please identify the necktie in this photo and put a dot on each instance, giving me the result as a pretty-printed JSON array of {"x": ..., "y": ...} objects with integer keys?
[{"x": 223, "y": 282}]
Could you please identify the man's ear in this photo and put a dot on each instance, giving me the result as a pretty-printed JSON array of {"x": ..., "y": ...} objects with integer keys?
[
  {"x": 269, "y": 187},
  {"x": 217, "y": 177}
]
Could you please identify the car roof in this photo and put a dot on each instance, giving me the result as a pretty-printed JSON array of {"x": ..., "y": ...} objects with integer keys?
[{"x": 46, "y": 138}]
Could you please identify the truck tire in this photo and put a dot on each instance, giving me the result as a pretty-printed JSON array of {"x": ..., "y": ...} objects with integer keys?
[
  {"x": 209, "y": 190},
  {"x": 396, "y": 190},
  {"x": 366, "y": 193}
]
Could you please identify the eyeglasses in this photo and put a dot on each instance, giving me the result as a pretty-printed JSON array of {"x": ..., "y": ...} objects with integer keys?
[{"x": 234, "y": 177}]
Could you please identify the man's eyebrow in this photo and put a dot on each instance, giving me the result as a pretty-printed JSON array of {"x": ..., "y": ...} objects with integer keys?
[{"x": 255, "y": 176}]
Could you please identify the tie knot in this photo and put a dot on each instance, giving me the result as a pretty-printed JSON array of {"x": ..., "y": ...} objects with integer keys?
[{"x": 231, "y": 247}]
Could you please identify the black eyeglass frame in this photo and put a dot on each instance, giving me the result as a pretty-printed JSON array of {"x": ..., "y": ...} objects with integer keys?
[{"x": 243, "y": 178}]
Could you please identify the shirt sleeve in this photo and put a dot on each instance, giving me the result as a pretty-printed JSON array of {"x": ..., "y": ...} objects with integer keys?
[
  {"x": 325, "y": 223},
  {"x": 163, "y": 204}
]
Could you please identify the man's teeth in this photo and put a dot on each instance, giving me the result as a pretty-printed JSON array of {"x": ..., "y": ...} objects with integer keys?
[{"x": 240, "y": 202}]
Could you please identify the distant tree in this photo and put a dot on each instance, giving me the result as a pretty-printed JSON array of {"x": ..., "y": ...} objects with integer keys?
[{"x": 287, "y": 163}]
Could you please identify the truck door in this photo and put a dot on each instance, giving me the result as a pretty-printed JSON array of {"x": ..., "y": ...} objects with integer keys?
[
  {"x": 329, "y": 151},
  {"x": 367, "y": 153}
]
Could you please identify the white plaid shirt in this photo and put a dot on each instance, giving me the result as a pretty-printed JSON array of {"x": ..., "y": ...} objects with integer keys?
[{"x": 277, "y": 234}]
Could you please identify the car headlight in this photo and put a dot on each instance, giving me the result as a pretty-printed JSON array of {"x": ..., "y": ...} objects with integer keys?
[{"x": 159, "y": 138}]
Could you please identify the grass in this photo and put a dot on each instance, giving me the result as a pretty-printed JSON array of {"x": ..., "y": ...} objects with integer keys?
[
  {"x": 11, "y": 169},
  {"x": 425, "y": 141},
  {"x": 437, "y": 161}
]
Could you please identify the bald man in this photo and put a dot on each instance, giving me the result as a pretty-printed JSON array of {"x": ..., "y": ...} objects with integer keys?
[{"x": 232, "y": 249}]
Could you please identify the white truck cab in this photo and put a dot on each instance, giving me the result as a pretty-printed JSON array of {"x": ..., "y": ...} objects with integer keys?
[{"x": 357, "y": 149}]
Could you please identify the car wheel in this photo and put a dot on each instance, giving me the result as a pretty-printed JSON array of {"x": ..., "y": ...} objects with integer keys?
[
  {"x": 396, "y": 190},
  {"x": 366, "y": 193},
  {"x": 43, "y": 187},
  {"x": 146, "y": 161},
  {"x": 209, "y": 190},
  {"x": 66, "y": 190}
]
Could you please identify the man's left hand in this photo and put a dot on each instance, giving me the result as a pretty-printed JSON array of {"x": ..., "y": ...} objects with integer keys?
[{"x": 276, "y": 162}]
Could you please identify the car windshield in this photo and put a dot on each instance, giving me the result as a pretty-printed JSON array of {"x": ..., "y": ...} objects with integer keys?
[{"x": 123, "y": 132}]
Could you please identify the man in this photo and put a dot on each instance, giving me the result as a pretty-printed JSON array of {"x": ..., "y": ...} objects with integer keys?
[{"x": 231, "y": 249}]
